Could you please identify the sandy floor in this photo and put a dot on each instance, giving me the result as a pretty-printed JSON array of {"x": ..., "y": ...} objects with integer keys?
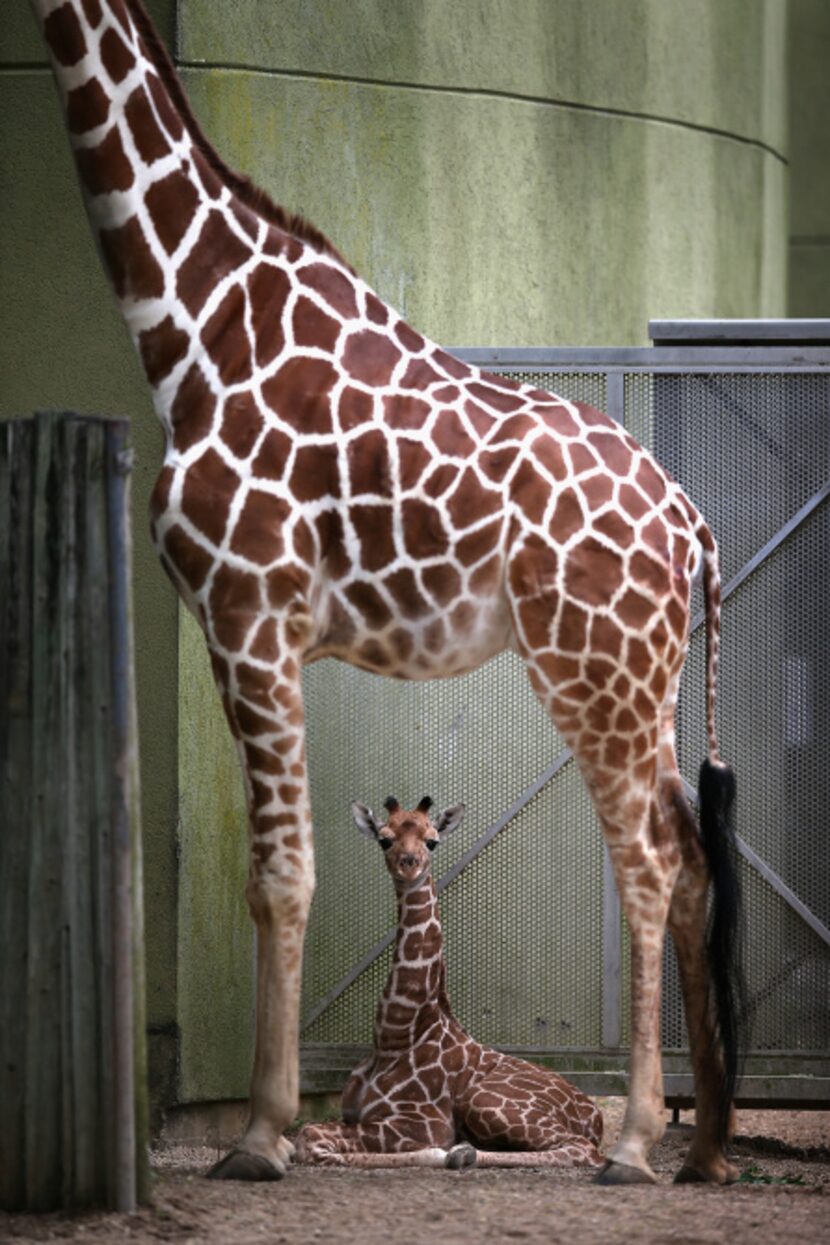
[{"x": 783, "y": 1199}]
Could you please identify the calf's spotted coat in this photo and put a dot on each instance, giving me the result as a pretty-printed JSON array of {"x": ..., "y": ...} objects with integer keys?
[
  {"x": 334, "y": 484},
  {"x": 429, "y": 1094}
]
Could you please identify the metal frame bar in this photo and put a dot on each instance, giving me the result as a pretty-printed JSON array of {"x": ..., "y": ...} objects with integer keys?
[{"x": 694, "y": 359}]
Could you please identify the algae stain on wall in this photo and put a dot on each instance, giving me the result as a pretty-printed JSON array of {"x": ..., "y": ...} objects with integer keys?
[{"x": 215, "y": 945}]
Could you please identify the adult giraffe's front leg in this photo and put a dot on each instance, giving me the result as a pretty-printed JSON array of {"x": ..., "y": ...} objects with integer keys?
[{"x": 264, "y": 706}]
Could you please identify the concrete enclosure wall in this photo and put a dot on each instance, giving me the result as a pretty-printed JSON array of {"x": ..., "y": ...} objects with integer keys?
[{"x": 553, "y": 182}]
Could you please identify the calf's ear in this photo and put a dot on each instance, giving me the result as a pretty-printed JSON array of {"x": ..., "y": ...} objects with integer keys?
[
  {"x": 450, "y": 819},
  {"x": 365, "y": 819}
]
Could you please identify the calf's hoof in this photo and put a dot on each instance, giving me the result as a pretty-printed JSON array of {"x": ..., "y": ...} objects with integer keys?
[
  {"x": 462, "y": 1155},
  {"x": 621, "y": 1173},
  {"x": 723, "y": 1173},
  {"x": 240, "y": 1165}
]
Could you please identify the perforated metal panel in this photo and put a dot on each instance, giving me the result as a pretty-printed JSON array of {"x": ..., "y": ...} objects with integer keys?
[{"x": 528, "y": 961}]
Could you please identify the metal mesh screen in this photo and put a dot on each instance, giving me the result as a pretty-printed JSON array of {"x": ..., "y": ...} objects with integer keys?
[{"x": 523, "y": 921}]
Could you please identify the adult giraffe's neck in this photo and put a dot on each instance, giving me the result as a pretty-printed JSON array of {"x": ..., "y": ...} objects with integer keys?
[
  {"x": 174, "y": 224},
  {"x": 415, "y": 994}
]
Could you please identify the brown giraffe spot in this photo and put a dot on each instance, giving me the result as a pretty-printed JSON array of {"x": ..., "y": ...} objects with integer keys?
[
  {"x": 560, "y": 420},
  {"x": 370, "y": 357},
  {"x": 105, "y": 168},
  {"x": 169, "y": 117},
  {"x": 413, "y": 458},
  {"x": 369, "y": 468},
  {"x": 225, "y": 338},
  {"x": 481, "y": 420},
  {"x": 355, "y": 407},
  {"x": 556, "y": 668},
  {"x": 441, "y": 479},
  {"x": 315, "y": 473},
  {"x": 191, "y": 561},
  {"x": 567, "y": 518},
  {"x": 161, "y": 348},
  {"x": 217, "y": 252},
  {"x": 403, "y": 586},
  {"x": 303, "y": 541},
  {"x": 633, "y": 501},
  {"x": 268, "y": 289},
  {"x": 471, "y": 501},
  {"x": 408, "y": 338},
  {"x": 452, "y": 366},
  {"x": 606, "y": 636},
  {"x": 312, "y": 327},
  {"x": 594, "y": 418},
  {"x": 612, "y": 451},
  {"x": 270, "y": 461},
  {"x": 171, "y": 202},
  {"x": 241, "y": 424},
  {"x": 599, "y": 713},
  {"x": 638, "y": 658},
  {"x": 615, "y": 527},
  {"x": 597, "y": 490},
  {"x": 400, "y": 411},
  {"x": 150, "y": 142},
  {"x": 442, "y": 582},
  {"x": 255, "y": 685},
  {"x": 423, "y": 529},
  {"x": 234, "y": 606},
  {"x": 548, "y": 452},
  {"x": 191, "y": 414},
  {"x": 533, "y": 568},
  {"x": 333, "y": 544},
  {"x": 536, "y": 616},
  {"x": 571, "y": 633},
  {"x": 598, "y": 671},
  {"x": 62, "y": 31},
  {"x": 495, "y": 398},
  {"x": 582, "y": 459},
  {"x": 252, "y": 723},
  {"x": 366, "y": 598},
  {"x": 117, "y": 58},
  {"x": 648, "y": 572},
  {"x": 531, "y": 492},
  {"x": 651, "y": 481},
  {"x": 258, "y": 535},
  {"x": 659, "y": 683},
  {"x": 634, "y": 610},
  {"x": 332, "y": 285},
  {"x": 134, "y": 271},
  {"x": 496, "y": 463},
  {"x": 616, "y": 751},
  {"x": 463, "y": 616},
  {"x": 92, "y": 12},
  {"x": 516, "y": 428},
  {"x": 626, "y": 723},
  {"x": 446, "y": 394},
  {"x": 266, "y": 646},
  {"x": 659, "y": 636},
  {"x": 374, "y": 528},
  {"x": 86, "y": 107},
  {"x": 299, "y": 393},
  {"x": 209, "y": 488},
  {"x": 402, "y": 644},
  {"x": 375, "y": 309},
  {"x": 450, "y": 436},
  {"x": 678, "y": 617},
  {"x": 419, "y": 375},
  {"x": 486, "y": 577},
  {"x": 593, "y": 572},
  {"x": 208, "y": 177}
]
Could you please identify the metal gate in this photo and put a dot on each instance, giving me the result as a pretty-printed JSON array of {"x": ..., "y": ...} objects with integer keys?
[{"x": 536, "y": 946}]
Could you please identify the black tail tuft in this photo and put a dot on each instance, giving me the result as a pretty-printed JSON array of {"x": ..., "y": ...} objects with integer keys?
[{"x": 724, "y": 930}]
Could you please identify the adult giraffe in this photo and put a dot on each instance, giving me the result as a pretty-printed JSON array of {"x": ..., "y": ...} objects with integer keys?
[{"x": 336, "y": 485}]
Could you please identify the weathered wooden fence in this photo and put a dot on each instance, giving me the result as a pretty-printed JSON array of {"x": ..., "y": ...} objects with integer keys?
[{"x": 73, "y": 1126}]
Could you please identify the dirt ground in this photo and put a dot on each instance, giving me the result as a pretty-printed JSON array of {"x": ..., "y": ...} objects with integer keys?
[{"x": 783, "y": 1198}]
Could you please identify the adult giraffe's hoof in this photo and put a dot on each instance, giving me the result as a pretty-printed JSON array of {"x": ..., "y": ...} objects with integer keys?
[
  {"x": 725, "y": 1173},
  {"x": 621, "y": 1173},
  {"x": 462, "y": 1155},
  {"x": 240, "y": 1165}
]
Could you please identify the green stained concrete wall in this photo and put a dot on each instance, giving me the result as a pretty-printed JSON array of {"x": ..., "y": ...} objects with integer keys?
[
  {"x": 809, "y": 111},
  {"x": 554, "y": 182}
]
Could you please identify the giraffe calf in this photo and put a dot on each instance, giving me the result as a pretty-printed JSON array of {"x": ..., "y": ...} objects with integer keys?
[{"x": 429, "y": 1094}]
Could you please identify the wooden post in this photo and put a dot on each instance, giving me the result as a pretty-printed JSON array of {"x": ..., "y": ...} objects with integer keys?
[{"x": 73, "y": 1127}]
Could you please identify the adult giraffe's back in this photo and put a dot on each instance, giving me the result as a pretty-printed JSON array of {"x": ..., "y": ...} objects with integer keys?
[{"x": 335, "y": 484}]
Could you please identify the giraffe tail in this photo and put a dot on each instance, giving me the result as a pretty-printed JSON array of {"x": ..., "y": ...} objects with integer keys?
[{"x": 716, "y": 792}]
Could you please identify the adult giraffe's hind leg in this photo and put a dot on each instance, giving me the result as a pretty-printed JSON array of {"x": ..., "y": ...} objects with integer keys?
[{"x": 264, "y": 706}]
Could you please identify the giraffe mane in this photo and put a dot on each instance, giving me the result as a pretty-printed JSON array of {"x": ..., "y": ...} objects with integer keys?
[{"x": 249, "y": 194}]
